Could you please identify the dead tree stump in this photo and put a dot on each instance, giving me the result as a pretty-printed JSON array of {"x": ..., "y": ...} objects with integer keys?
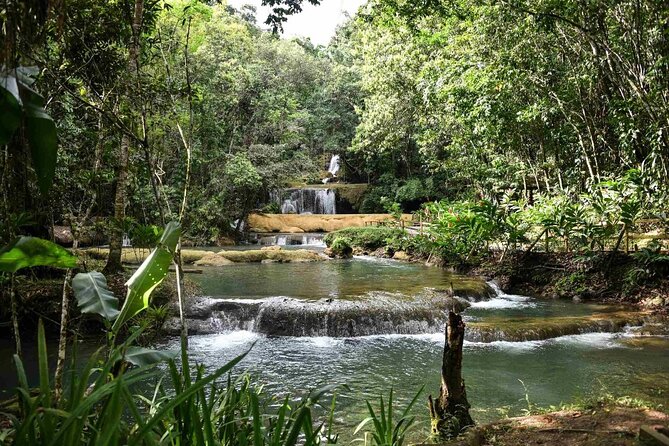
[{"x": 450, "y": 411}]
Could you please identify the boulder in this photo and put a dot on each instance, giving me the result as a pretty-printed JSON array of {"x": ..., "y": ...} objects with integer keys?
[
  {"x": 401, "y": 255},
  {"x": 213, "y": 259},
  {"x": 271, "y": 248}
]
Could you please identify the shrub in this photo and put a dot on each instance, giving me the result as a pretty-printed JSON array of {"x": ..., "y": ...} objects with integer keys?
[
  {"x": 369, "y": 238},
  {"x": 341, "y": 247}
]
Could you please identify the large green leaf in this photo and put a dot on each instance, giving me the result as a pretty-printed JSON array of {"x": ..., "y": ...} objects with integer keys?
[
  {"x": 149, "y": 275},
  {"x": 10, "y": 108},
  {"x": 93, "y": 295},
  {"x": 140, "y": 356},
  {"x": 25, "y": 252},
  {"x": 42, "y": 137}
]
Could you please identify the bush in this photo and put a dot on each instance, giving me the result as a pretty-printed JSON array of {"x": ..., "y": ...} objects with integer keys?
[
  {"x": 370, "y": 238},
  {"x": 341, "y": 247}
]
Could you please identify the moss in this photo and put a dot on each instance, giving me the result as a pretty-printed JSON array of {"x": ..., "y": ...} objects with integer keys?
[
  {"x": 213, "y": 259},
  {"x": 367, "y": 238},
  {"x": 259, "y": 255},
  {"x": 341, "y": 247},
  {"x": 573, "y": 284}
]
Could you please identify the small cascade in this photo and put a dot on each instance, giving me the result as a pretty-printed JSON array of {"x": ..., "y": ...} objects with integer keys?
[
  {"x": 539, "y": 330},
  {"x": 307, "y": 201},
  {"x": 381, "y": 313},
  {"x": 282, "y": 316},
  {"x": 315, "y": 240},
  {"x": 333, "y": 169}
]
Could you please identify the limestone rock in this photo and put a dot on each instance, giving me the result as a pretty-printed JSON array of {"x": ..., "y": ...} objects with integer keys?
[
  {"x": 271, "y": 248},
  {"x": 401, "y": 255},
  {"x": 213, "y": 259}
]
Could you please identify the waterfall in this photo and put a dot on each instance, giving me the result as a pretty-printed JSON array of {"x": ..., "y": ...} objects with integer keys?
[
  {"x": 333, "y": 169},
  {"x": 289, "y": 240},
  {"x": 307, "y": 201}
]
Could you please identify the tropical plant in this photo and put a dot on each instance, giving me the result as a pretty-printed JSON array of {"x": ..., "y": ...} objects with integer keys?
[
  {"x": 26, "y": 252},
  {"x": 388, "y": 429}
]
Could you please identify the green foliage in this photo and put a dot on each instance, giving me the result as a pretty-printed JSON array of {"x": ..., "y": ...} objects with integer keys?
[
  {"x": 462, "y": 230},
  {"x": 591, "y": 221},
  {"x": 388, "y": 430},
  {"x": 92, "y": 409},
  {"x": 341, "y": 247},
  {"x": 149, "y": 275},
  {"x": 93, "y": 295},
  {"x": 650, "y": 264},
  {"x": 533, "y": 108},
  {"x": 20, "y": 103},
  {"x": 369, "y": 238},
  {"x": 572, "y": 284},
  {"x": 142, "y": 357},
  {"x": 144, "y": 236},
  {"x": 100, "y": 406},
  {"x": 27, "y": 252}
]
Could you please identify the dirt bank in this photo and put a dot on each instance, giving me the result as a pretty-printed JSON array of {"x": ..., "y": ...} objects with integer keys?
[
  {"x": 601, "y": 277},
  {"x": 602, "y": 425}
]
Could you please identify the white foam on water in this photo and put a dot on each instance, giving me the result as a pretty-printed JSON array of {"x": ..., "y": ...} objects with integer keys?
[
  {"x": 321, "y": 341},
  {"x": 426, "y": 337},
  {"x": 384, "y": 261},
  {"x": 501, "y": 303},
  {"x": 503, "y": 300},
  {"x": 230, "y": 339},
  {"x": 506, "y": 345},
  {"x": 599, "y": 339}
]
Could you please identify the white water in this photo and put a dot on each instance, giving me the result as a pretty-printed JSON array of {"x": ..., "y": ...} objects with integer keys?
[
  {"x": 503, "y": 300},
  {"x": 311, "y": 240},
  {"x": 309, "y": 201},
  {"x": 333, "y": 169}
]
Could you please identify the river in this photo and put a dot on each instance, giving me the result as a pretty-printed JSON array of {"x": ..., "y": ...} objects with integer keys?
[
  {"x": 502, "y": 376},
  {"x": 521, "y": 351}
]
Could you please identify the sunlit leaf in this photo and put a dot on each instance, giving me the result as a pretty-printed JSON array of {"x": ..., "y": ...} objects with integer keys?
[
  {"x": 140, "y": 356},
  {"x": 149, "y": 275},
  {"x": 26, "y": 252}
]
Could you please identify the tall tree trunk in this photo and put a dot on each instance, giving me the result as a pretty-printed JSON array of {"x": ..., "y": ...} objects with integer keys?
[
  {"x": 116, "y": 236},
  {"x": 450, "y": 412}
]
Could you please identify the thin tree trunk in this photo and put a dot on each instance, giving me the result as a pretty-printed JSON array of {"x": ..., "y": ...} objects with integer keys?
[
  {"x": 450, "y": 411},
  {"x": 62, "y": 340},
  {"x": 15, "y": 314},
  {"x": 534, "y": 243}
]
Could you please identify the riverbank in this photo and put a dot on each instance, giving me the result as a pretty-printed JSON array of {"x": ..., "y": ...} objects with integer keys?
[
  {"x": 610, "y": 422},
  {"x": 638, "y": 279}
]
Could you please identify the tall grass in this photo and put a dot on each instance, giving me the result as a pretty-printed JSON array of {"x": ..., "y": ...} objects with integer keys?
[
  {"x": 387, "y": 428},
  {"x": 100, "y": 407}
]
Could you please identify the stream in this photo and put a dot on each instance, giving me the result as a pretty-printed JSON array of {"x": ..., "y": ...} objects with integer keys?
[
  {"x": 519, "y": 352},
  {"x": 529, "y": 360}
]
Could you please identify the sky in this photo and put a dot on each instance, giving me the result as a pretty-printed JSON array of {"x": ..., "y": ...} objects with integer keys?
[{"x": 316, "y": 22}]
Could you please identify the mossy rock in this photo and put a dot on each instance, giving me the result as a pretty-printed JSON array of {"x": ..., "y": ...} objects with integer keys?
[{"x": 341, "y": 248}]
